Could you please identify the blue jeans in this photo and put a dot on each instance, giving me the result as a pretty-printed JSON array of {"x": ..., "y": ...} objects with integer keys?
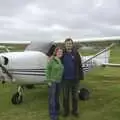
[{"x": 53, "y": 100}]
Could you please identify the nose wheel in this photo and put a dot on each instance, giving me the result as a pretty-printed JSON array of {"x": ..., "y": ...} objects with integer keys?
[{"x": 17, "y": 98}]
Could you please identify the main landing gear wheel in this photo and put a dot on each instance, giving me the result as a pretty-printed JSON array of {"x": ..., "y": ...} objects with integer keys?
[{"x": 17, "y": 98}]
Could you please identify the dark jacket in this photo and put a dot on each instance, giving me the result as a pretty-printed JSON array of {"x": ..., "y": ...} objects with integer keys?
[{"x": 78, "y": 65}]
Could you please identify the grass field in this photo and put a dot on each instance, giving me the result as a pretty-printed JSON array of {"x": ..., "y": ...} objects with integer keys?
[{"x": 104, "y": 102}]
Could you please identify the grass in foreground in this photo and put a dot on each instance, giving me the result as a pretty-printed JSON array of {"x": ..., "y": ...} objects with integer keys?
[{"x": 104, "y": 102}]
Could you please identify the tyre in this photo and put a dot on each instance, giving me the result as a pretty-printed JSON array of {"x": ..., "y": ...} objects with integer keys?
[{"x": 17, "y": 99}]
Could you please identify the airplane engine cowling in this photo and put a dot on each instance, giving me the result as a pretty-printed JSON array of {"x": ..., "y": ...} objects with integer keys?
[
  {"x": 27, "y": 60},
  {"x": 3, "y": 61},
  {"x": 27, "y": 67}
]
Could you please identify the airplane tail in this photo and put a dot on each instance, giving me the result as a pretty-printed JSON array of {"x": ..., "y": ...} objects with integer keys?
[
  {"x": 102, "y": 58},
  {"x": 99, "y": 59}
]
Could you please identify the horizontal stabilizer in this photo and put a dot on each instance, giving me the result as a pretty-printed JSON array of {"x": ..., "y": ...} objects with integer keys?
[{"x": 110, "y": 65}]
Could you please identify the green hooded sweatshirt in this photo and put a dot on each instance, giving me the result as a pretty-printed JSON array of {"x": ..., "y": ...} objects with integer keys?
[{"x": 54, "y": 70}]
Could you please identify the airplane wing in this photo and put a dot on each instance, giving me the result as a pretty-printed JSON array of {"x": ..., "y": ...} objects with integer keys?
[
  {"x": 48, "y": 47},
  {"x": 93, "y": 42},
  {"x": 101, "y": 41},
  {"x": 14, "y": 45},
  {"x": 94, "y": 39}
]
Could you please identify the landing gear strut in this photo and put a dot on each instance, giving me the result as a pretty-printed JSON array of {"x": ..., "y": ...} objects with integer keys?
[{"x": 17, "y": 98}]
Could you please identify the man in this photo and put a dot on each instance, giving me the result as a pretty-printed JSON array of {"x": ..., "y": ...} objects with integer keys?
[{"x": 72, "y": 75}]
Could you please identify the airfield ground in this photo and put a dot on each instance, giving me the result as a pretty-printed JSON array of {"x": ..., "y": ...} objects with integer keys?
[{"x": 104, "y": 102}]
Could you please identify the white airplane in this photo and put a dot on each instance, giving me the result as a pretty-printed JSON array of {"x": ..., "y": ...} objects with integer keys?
[{"x": 28, "y": 67}]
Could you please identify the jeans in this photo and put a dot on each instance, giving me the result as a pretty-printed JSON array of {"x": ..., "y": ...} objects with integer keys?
[{"x": 53, "y": 100}]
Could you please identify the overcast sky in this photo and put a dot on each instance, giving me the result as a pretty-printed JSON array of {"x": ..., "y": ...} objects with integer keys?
[{"x": 58, "y": 19}]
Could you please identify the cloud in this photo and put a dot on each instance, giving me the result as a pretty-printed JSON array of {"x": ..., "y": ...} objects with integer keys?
[{"x": 52, "y": 20}]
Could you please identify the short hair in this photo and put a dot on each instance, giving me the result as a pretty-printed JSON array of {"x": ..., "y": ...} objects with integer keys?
[{"x": 68, "y": 39}]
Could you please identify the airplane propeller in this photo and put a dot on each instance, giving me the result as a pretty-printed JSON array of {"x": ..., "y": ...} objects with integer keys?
[{"x": 4, "y": 70}]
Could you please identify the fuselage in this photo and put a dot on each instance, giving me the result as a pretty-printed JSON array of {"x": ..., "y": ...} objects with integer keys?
[{"x": 29, "y": 67}]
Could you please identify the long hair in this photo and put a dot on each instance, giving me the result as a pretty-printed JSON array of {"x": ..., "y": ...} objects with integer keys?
[{"x": 56, "y": 50}]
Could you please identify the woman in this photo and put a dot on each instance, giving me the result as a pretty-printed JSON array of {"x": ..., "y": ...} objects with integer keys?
[{"x": 54, "y": 73}]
